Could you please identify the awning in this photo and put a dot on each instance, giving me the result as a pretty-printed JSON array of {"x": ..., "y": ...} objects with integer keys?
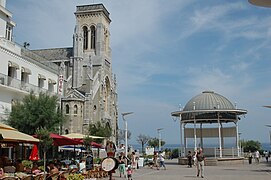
[
  {"x": 13, "y": 64},
  {"x": 81, "y": 136},
  {"x": 42, "y": 77},
  {"x": 51, "y": 81},
  {"x": 16, "y": 136},
  {"x": 26, "y": 70}
]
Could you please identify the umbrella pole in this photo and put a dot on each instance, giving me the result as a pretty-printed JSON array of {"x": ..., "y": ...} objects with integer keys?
[{"x": 44, "y": 165}]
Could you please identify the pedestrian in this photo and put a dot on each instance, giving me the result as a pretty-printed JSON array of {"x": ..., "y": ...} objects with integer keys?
[
  {"x": 194, "y": 158},
  {"x": 249, "y": 157},
  {"x": 134, "y": 160},
  {"x": 155, "y": 160},
  {"x": 266, "y": 155},
  {"x": 162, "y": 159},
  {"x": 129, "y": 172},
  {"x": 189, "y": 159},
  {"x": 200, "y": 163},
  {"x": 122, "y": 162},
  {"x": 257, "y": 156}
]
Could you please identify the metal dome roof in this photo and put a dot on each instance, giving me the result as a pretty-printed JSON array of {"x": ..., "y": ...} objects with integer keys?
[
  {"x": 209, "y": 107},
  {"x": 208, "y": 100}
]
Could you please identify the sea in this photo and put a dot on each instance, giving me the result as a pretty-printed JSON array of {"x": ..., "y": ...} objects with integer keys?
[{"x": 265, "y": 146}]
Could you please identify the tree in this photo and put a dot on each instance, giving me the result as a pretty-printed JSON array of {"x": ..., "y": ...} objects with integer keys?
[
  {"x": 251, "y": 145},
  {"x": 45, "y": 142},
  {"x": 121, "y": 135},
  {"x": 154, "y": 142},
  {"x": 99, "y": 129},
  {"x": 142, "y": 140},
  {"x": 35, "y": 112}
]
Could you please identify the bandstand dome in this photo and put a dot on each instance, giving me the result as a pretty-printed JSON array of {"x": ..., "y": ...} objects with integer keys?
[
  {"x": 208, "y": 107},
  {"x": 208, "y": 100}
]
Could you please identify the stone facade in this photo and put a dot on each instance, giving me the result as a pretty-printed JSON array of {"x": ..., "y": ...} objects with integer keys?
[
  {"x": 89, "y": 93},
  {"x": 81, "y": 75}
]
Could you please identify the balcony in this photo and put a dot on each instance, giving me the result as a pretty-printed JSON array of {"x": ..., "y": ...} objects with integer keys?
[{"x": 12, "y": 83}]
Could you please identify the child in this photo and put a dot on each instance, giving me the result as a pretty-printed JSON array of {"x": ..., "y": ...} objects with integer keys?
[{"x": 129, "y": 172}]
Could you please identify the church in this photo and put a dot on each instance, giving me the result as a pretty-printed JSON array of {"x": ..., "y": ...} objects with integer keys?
[{"x": 80, "y": 75}]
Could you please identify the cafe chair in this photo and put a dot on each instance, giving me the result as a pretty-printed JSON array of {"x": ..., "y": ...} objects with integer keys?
[
  {"x": 27, "y": 178},
  {"x": 9, "y": 169},
  {"x": 9, "y": 178}
]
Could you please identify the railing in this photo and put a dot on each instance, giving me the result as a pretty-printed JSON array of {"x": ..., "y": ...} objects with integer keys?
[
  {"x": 215, "y": 152},
  {"x": 23, "y": 86}
]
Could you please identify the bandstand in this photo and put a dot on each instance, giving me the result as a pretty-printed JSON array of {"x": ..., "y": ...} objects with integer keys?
[{"x": 210, "y": 115}]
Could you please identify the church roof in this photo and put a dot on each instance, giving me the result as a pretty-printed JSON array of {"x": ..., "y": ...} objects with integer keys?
[{"x": 55, "y": 53}]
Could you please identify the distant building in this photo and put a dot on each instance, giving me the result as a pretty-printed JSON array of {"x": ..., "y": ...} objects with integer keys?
[{"x": 80, "y": 75}]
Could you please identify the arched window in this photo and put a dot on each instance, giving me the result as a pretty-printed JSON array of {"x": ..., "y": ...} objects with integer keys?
[
  {"x": 75, "y": 109},
  {"x": 93, "y": 37},
  {"x": 67, "y": 109},
  {"x": 85, "y": 34}
]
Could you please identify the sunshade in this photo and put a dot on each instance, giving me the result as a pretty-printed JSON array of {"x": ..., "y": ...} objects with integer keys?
[
  {"x": 34, "y": 156},
  {"x": 81, "y": 136},
  {"x": 12, "y": 135},
  {"x": 59, "y": 140}
]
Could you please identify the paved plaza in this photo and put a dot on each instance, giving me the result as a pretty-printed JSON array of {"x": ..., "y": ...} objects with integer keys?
[{"x": 174, "y": 171}]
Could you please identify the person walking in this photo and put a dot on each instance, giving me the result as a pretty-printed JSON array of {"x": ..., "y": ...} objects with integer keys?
[
  {"x": 200, "y": 163},
  {"x": 122, "y": 162},
  {"x": 162, "y": 159},
  {"x": 189, "y": 159},
  {"x": 249, "y": 157},
  {"x": 266, "y": 155},
  {"x": 257, "y": 156}
]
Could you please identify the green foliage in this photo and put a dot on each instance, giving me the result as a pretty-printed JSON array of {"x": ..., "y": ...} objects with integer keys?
[
  {"x": 87, "y": 140},
  {"x": 45, "y": 140},
  {"x": 76, "y": 177},
  {"x": 99, "y": 129},
  {"x": 142, "y": 140},
  {"x": 251, "y": 145},
  {"x": 121, "y": 135},
  {"x": 154, "y": 142},
  {"x": 35, "y": 112},
  {"x": 27, "y": 163}
]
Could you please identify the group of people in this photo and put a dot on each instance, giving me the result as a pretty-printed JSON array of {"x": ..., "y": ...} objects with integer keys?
[
  {"x": 197, "y": 159},
  {"x": 130, "y": 162},
  {"x": 158, "y": 160}
]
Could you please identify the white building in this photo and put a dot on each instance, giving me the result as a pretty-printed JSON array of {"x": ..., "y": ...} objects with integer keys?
[
  {"x": 20, "y": 74},
  {"x": 81, "y": 75}
]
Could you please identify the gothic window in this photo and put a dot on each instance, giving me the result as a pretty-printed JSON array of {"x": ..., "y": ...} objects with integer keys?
[
  {"x": 75, "y": 109},
  {"x": 85, "y": 34},
  {"x": 93, "y": 37},
  {"x": 67, "y": 109}
]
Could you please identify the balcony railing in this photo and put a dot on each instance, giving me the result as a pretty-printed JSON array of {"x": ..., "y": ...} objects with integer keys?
[{"x": 23, "y": 86}]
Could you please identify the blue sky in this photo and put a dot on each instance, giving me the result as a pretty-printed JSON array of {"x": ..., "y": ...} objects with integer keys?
[{"x": 166, "y": 52}]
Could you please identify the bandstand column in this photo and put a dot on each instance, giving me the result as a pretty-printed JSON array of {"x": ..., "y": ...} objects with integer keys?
[
  {"x": 237, "y": 139},
  {"x": 201, "y": 138},
  {"x": 195, "y": 130},
  {"x": 219, "y": 136}
]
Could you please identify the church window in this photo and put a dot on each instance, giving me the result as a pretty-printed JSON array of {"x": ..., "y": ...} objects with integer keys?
[
  {"x": 67, "y": 109},
  {"x": 93, "y": 37},
  {"x": 85, "y": 34},
  {"x": 75, "y": 109}
]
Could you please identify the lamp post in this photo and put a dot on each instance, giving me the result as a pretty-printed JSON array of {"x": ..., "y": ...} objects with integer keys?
[
  {"x": 126, "y": 130},
  {"x": 159, "y": 138}
]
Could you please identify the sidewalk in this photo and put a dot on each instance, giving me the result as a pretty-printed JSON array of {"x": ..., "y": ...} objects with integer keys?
[{"x": 174, "y": 171}]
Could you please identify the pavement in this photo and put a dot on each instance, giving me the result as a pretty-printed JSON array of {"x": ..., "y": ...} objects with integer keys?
[{"x": 261, "y": 171}]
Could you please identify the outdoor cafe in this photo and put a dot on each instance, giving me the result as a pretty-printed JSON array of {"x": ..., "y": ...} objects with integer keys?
[{"x": 21, "y": 157}]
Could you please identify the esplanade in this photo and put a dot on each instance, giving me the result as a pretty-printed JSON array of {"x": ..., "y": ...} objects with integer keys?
[{"x": 212, "y": 118}]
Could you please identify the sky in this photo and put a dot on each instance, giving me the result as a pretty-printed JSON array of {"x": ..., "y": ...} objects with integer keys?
[{"x": 166, "y": 52}]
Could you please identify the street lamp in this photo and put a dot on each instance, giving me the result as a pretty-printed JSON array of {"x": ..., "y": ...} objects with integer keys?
[
  {"x": 126, "y": 131},
  {"x": 263, "y": 3},
  {"x": 159, "y": 138}
]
